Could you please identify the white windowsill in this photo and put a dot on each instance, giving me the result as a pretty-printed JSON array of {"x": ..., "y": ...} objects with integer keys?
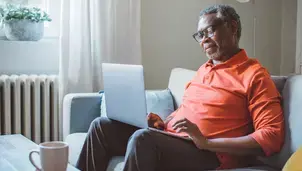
[{"x": 44, "y": 39}]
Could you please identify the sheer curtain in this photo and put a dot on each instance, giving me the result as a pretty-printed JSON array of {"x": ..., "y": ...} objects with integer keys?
[{"x": 92, "y": 32}]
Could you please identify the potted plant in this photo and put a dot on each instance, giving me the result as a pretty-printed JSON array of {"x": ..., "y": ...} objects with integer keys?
[{"x": 21, "y": 23}]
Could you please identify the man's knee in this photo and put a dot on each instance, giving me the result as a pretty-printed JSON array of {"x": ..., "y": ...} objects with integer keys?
[
  {"x": 140, "y": 137},
  {"x": 99, "y": 121}
]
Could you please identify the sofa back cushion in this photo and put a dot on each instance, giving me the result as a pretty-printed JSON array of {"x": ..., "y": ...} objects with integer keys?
[
  {"x": 279, "y": 82},
  {"x": 178, "y": 80}
]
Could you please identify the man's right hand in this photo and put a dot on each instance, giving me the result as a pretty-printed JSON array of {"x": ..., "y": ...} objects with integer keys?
[
  {"x": 168, "y": 119},
  {"x": 154, "y": 121}
]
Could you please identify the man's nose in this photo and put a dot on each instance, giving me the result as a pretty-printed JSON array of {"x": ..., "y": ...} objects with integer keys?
[{"x": 204, "y": 40}]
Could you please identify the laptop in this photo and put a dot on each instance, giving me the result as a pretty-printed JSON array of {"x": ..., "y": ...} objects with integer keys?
[{"x": 124, "y": 89}]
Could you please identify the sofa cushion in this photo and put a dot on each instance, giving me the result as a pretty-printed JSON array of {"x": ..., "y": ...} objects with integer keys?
[
  {"x": 75, "y": 142},
  {"x": 178, "y": 80},
  {"x": 116, "y": 164},
  {"x": 279, "y": 82},
  {"x": 158, "y": 101}
]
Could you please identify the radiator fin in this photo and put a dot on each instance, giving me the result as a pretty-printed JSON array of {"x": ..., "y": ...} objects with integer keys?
[{"x": 29, "y": 106}]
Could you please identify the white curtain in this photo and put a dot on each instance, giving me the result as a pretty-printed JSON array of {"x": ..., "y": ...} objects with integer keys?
[{"x": 92, "y": 32}]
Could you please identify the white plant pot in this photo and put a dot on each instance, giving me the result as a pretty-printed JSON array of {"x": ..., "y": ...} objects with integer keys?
[{"x": 23, "y": 30}]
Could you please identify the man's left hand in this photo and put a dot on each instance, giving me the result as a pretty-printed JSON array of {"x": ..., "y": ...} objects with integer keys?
[{"x": 184, "y": 125}]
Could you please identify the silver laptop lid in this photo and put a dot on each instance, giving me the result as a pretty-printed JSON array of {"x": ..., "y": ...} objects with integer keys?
[{"x": 125, "y": 93}]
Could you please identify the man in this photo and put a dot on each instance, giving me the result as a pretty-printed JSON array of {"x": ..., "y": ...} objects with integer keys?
[{"x": 231, "y": 110}]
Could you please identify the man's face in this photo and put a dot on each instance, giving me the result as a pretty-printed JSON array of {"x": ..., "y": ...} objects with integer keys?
[{"x": 218, "y": 37}]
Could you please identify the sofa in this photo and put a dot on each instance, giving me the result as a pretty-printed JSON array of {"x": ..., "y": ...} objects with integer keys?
[{"x": 80, "y": 109}]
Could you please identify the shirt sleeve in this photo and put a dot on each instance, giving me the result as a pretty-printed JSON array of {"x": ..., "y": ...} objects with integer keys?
[{"x": 266, "y": 112}]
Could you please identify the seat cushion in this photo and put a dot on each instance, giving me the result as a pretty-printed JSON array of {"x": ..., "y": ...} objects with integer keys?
[
  {"x": 116, "y": 164},
  {"x": 75, "y": 142}
]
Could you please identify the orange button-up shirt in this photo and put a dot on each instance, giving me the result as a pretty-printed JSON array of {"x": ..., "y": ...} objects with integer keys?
[{"x": 232, "y": 99}]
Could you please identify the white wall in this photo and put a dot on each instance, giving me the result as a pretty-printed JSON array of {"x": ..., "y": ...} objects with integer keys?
[
  {"x": 288, "y": 37},
  {"x": 167, "y": 42},
  {"x": 167, "y": 27},
  {"x": 299, "y": 39},
  {"x": 261, "y": 31},
  {"x": 40, "y": 57}
]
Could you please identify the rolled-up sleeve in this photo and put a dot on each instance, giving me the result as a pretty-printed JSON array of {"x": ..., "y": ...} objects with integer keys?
[{"x": 266, "y": 112}]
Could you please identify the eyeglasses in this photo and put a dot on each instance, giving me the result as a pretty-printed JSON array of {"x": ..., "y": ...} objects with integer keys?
[{"x": 207, "y": 32}]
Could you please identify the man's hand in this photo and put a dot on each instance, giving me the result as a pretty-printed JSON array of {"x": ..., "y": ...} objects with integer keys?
[
  {"x": 184, "y": 125},
  {"x": 154, "y": 121},
  {"x": 168, "y": 119}
]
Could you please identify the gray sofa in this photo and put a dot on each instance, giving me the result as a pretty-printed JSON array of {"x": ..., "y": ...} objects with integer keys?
[{"x": 80, "y": 109}]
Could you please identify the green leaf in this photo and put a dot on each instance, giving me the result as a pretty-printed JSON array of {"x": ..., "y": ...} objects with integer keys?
[{"x": 18, "y": 12}]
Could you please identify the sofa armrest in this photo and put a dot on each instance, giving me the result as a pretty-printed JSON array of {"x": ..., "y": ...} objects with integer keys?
[{"x": 79, "y": 110}]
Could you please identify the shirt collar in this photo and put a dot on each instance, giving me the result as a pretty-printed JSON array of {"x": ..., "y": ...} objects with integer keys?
[{"x": 238, "y": 58}]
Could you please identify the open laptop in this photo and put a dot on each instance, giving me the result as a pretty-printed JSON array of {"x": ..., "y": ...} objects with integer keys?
[{"x": 125, "y": 95}]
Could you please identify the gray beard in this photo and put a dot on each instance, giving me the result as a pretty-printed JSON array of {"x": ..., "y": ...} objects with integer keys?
[{"x": 215, "y": 55}]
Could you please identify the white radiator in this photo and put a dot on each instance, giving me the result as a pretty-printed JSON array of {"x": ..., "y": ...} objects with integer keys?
[{"x": 29, "y": 106}]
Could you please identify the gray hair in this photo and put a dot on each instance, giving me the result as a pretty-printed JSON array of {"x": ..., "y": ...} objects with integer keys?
[{"x": 225, "y": 12}]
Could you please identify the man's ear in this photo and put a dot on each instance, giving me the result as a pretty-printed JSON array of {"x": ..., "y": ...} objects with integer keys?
[{"x": 234, "y": 26}]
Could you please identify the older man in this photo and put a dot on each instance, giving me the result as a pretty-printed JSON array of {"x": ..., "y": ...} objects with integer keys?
[{"x": 230, "y": 109}]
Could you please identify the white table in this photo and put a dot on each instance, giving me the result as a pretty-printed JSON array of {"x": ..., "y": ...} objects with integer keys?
[{"x": 14, "y": 151}]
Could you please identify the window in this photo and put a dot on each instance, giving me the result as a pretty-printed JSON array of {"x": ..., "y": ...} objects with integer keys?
[{"x": 52, "y": 7}]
